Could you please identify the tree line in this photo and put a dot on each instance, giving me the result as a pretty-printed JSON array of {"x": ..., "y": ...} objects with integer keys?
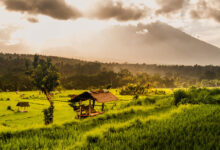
[{"x": 77, "y": 74}]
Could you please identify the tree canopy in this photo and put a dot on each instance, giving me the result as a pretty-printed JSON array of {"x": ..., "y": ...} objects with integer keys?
[{"x": 45, "y": 76}]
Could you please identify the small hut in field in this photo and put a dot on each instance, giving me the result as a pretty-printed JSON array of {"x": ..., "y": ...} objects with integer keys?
[
  {"x": 22, "y": 106},
  {"x": 102, "y": 96}
]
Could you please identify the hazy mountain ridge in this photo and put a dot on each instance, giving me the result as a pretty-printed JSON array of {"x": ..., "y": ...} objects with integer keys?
[
  {"x": 183, "y": 46},
  {"x": 156, "y": 43}
]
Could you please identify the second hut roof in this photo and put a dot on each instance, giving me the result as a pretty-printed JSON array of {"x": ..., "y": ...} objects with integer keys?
[{"x": 23, "y": 104}]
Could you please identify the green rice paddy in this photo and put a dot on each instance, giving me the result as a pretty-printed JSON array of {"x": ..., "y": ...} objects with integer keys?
[{"x": 149, "y": 122}]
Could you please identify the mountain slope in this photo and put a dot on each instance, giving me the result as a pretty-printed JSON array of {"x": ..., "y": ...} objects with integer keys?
[{"x": 153, "y": 43}]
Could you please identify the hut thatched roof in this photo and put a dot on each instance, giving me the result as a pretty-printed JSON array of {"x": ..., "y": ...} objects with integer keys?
[
  {"x": 102, "y": 96},
  {"x": 23, "y": 104}
]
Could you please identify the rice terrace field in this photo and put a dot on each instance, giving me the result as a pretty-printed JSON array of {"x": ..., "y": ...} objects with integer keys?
[
  {"x": 172, "y": 119},
  {"x": 110, "y": 75}
]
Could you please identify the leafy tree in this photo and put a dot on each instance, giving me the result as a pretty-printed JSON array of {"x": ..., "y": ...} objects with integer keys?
[{"x": 46, "y": 78}]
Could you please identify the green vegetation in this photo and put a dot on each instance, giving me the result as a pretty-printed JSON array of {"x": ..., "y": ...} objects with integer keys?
[
  {"x": 46, "y": 78},
  {"x": 190, "y": 127},
  {"x": 76, "y": 74},
  {"x": 147, "y": 122},
  {"x": 135, "y": 90},
  {"x": 11, "y": 120},
  {"x": 197, "y": 96},
  {"x": 147, "y": 115}
]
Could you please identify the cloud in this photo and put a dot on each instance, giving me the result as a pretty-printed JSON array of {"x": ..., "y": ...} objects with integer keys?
[
  {"x": 109, "y": 9},
  {"x": 169, "y": 6},
  {"x": 9, "y": 45},
  {"x": 57, "y": 9},
  {"x": 206, "y": 10}
]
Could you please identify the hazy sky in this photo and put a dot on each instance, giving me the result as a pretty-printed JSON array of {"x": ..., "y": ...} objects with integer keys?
[{"x": 75, "y": 28}]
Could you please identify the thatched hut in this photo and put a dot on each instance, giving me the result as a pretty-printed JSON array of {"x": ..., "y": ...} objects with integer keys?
[
  {"x": 102, "y": 96},
  {"x": 22, "y": 106}
]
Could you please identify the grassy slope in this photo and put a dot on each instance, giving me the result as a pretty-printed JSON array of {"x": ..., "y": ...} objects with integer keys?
[
  {"x": 127, "y": 125},
  {"x": 197, "y": 128}
]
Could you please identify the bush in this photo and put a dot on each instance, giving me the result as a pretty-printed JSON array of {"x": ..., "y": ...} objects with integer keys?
[
  {"x": 179, "y": 95},
  {"x": 48, "y": 115},
  {"x": 134, "y": 90},
  {"x": 215, "y": 91},
  {"x": 9, "y": 108},
  {"x": 197, "y": 96},
  {"x": 136, "y": 97}
]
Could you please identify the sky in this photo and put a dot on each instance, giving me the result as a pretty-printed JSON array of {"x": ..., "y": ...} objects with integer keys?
[{"x": 78, "y": 28}]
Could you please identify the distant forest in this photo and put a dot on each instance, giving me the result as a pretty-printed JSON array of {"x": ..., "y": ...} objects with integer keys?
[{"x": 77, "y": 74}]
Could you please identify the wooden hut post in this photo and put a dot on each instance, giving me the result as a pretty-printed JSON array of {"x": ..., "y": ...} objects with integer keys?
[
  {"x": 103, "y": 105},
  {"x": 93, "y": 104},
  {"x": 89, "y": 107},
  {"x": 80, "y": 109}
]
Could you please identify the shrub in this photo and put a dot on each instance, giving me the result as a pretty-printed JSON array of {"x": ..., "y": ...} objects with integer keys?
[
  {"x": 9, "y": 108},
  {"x": 48, "y": 115},
  {"x": 179, "y": 95},
  {"x": 136, "y": 97},
  {"x": 134, "y": 90},
  {"x": 197, "y": 96},
  {"x": 215, "y": 91}
]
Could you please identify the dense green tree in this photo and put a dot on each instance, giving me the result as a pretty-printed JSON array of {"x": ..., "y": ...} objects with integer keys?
[{"x": 46, "y": 77}]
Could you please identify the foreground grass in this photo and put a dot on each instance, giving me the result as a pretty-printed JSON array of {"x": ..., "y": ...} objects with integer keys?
[
  {"x": 185, "y": 127},
  {"x": 197, "y": 128},
  {"x": 145, "y": 123}
]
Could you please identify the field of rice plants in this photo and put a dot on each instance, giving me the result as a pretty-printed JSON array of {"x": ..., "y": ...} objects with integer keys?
[{"x": 146, "y": 122}]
